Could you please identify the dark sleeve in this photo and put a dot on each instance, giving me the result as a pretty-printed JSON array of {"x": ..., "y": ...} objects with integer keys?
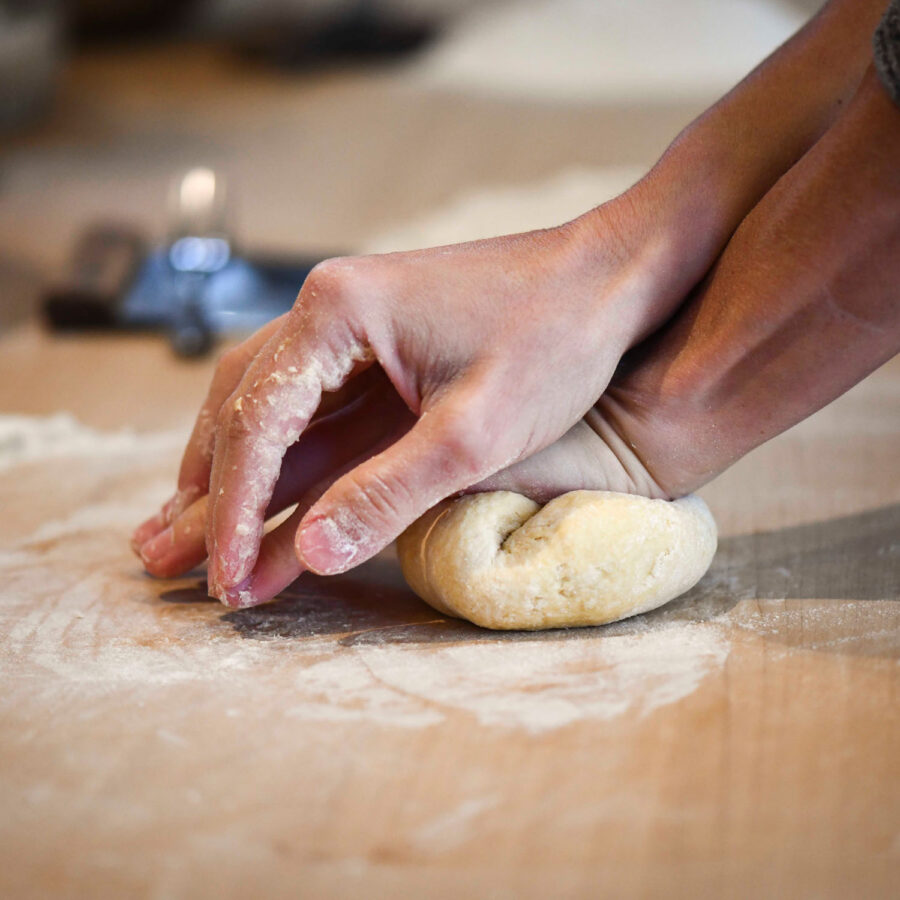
[{"x": 886, "y": 44}]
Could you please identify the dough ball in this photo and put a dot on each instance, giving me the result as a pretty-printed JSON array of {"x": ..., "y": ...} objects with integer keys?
[{"x": 501, "y": 560}]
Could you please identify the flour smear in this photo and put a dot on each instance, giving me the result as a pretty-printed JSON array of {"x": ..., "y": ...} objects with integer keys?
[
  {"x": 530, "y": 685},
  {"x": 74, "y": 606},
  {"x": 30, "y": 439}
]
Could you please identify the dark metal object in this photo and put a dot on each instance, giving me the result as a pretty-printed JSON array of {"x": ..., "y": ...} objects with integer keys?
[
  {"x": 31, "y": 51},
  {"x": 358, "y": 32},
  {"x": 194, "y": 287},
  {"x": 114, "y": 285},
  {"x": 118, "y": 19}
]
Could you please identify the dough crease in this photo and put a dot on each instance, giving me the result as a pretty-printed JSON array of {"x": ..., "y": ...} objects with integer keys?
[{"x": 503, "y": 561}]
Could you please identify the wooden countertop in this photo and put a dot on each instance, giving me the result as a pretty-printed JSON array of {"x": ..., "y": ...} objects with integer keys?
[{"x": 348, "y": 741}]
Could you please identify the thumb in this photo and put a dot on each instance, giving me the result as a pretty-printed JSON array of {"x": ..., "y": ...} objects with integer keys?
[{"x": 449, "y": 448}]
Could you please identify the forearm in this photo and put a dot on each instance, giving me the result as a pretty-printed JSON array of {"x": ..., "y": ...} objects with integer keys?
[
  {"x": 803, "y": 303},
  {"x": 681, "y": 215},
  {"x": 732, "y": 154}
]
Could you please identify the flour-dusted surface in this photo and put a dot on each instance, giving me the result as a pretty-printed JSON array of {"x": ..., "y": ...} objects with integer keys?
[
  {"x": 348, "y": 742},
  {"x": 65, "y": 616},
  {"x": 30, "y": 439},
  {"x": 155, "y": 743}
]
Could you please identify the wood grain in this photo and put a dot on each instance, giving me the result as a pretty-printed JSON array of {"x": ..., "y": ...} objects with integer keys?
[{"x": 347, "y": 741}]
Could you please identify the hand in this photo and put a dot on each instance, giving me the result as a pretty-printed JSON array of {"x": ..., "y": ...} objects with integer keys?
[
  {"x": 802, "y": 305},
  {"x": 799, "y": 307},
  {"x": 589, "y": 456},
  {"x": 466, "y": 337}
]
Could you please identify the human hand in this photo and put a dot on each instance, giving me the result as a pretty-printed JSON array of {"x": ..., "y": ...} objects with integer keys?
[
  {"x": 590, "y": 455},
  {"x": 801, "y": 305},
  {"x": 466, "y": 337}
]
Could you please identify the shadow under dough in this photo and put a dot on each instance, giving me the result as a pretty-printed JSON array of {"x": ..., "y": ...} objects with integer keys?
[{"x": 850, "y": 558}]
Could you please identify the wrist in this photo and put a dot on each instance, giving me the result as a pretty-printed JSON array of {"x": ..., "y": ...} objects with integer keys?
[
  {"x": 798, "y": 310},
  {"x": 646, "y": 249}
]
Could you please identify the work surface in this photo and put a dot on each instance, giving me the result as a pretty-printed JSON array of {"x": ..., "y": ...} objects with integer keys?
[{"x": 348, "y": 741}]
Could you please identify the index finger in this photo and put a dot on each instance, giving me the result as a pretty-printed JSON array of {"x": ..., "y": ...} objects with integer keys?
[
  {"x": 196, "y": 461},
  {"x": 316, "y": 350}
]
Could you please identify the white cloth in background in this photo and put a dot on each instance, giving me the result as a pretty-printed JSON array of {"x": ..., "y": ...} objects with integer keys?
[
  {"x": 492, "y": 211},
  {"x": 613, "y": 51}
]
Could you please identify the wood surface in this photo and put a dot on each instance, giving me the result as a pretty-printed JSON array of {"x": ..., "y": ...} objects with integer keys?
[{"x": 348, "y": 741}]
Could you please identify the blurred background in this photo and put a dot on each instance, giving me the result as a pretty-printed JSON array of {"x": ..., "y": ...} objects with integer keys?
[{"x": 327, "y": 126}]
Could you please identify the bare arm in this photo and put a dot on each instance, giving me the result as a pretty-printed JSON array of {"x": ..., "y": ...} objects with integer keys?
[
  {"x": 727, "y": 159},
  {"x": 467, "y": 335},
  {"x": 803, "y": 304}
]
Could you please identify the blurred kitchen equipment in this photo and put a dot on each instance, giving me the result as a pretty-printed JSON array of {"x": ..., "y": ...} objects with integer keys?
[
  {"x": 301, "y": 36},
  {"x": 195, "y": 286},
  {"x": 125, "y": 18},
  {"x": 30, "y": 57}
]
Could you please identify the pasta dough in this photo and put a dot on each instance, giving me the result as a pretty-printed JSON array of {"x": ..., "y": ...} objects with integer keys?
[{"x": 588, "y": 557}]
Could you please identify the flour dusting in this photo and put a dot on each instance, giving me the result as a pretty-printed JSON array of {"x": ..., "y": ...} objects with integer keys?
[
  {"x": 29, "y": 439},
  {"x": 75, "y": 604},
  {"x": 452, "y": 828},
  {"x": 533, "y": 686}
]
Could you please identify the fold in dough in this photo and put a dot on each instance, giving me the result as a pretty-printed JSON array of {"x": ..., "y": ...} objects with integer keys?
[{"x": 588, "y": 557}]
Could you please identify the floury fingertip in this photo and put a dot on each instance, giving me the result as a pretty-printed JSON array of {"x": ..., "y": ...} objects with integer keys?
[
  {"x": 325, "y": 548},
  {"x": 240, "y": 596},
  {"x": 158, "y": 547},
  {"x": 147, "y": 530}
]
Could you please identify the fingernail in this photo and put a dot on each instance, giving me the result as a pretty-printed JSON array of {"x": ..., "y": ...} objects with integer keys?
[
  {"x": 155, "y": 549},
  {"x": 147, "y": 531},
  {"x": 326, "y": 548},
  {"x": 181, "y": 500},
  {"x": 240, "y": 596}
]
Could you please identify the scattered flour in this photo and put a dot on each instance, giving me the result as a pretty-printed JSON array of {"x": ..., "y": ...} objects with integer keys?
[
  {"x": 73, "y": 603},
  {"x": 452, "y": 828},
  {"x": 534, "y": 686},
  {"x": 29, "y": 439},
  {"x": 118, "y": 515}
]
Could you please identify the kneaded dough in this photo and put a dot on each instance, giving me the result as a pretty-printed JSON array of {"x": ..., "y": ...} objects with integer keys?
[{"x": 503, "y": 561}]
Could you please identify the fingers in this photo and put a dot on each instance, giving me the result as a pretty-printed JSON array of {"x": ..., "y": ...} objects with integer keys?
[
  {"x": 334, "y": 448},
  {"x": 178, "y": 547},
  {"x": 148, "y": 529},
  {"x": 373, "y": 420},
  {"x": 449, "y": 448},
  {"x": 373, "y": 379},
  {"x": 276, "y": 566},
  {"x": 193, "y": 476},
  {"x": 315, "y": 351}
]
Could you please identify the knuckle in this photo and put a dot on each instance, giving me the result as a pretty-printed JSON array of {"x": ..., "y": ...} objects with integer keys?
[
  {"x": 230, "y": 359},
  {"x": 232, "y": 422},
  {"x": 381, "y": 498},
  {"x": 229, "y": 364},
  {"x": 330, "y": 280},
  {"x": 463, "y": 444}
]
